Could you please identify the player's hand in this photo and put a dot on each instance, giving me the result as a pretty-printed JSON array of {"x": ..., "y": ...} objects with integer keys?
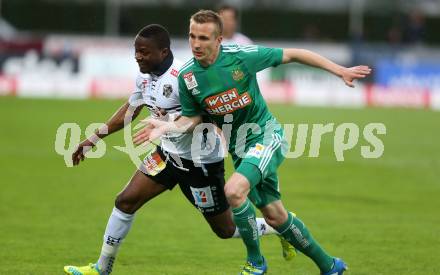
[
  {"x": 154, "y": 122},
  {"x": 350, "y": 74},
  {"x": 147, "y": 135},
  {"x": 81, "y": 150},
  {"x": 152, "y": 130},
  {"x": 142, "y": 136}
]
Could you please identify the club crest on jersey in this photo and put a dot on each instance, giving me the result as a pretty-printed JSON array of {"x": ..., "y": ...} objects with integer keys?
[
  {"x": 237, "y": 74},
  {"x": 167, "y": 90},
  {"x": 190, "y": 80}
]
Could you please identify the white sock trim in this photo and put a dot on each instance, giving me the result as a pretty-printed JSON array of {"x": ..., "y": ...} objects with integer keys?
[{"x": 122, "y": 215}]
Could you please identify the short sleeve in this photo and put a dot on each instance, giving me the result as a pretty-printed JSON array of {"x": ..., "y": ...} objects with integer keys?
[
  {"x": 136, "y": 98},
  {"x": 190, "y": 107},
  {"x": 258, "y": 58}
]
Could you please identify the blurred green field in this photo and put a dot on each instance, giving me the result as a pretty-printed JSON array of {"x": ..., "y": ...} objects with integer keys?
[{"x": 380, "y": 215}]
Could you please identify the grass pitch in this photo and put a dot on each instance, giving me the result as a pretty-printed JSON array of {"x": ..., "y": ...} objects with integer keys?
[{"x": 380, "y": 215}]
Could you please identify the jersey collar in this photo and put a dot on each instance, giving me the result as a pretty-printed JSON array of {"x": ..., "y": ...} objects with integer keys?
[{"x": 165, "y": 65}]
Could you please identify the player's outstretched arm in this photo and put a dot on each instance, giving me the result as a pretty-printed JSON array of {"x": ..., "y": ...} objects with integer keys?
[
  {"x": 313, "y": 59},
  {"x": 114, "y": 124},
  {"x": 155, "y": 128}
]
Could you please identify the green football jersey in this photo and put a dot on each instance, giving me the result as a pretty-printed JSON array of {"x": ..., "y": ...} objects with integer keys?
[{"x": 229, "y": 87}]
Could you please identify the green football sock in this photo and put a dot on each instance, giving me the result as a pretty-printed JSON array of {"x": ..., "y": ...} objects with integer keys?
[
  {"x": 244, "y": 218},
  {"x": 296, "y": 233}
]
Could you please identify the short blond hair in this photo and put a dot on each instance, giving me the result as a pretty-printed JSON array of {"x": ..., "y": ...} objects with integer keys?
[{"x": 208, "y": 16}]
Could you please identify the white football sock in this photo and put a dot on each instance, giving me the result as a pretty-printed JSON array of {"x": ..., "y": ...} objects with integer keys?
[
  {"x": 118, "y": 226},
  {"x": 262, "y": 226}
]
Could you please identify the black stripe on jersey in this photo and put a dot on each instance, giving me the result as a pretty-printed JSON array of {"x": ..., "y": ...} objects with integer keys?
[{"x": 175, "y": 108}]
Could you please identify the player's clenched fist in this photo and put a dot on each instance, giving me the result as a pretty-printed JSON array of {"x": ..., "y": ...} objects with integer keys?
[{"x": 81, "y": 150}]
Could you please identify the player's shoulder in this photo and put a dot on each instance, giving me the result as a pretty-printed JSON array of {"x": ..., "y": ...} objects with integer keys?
[
  {"x": 173, "y": 71},
  {"x": 177, "y": 64},
  {"x": 142, "y": 75},
  {"x": 141, "y": 78},
  {"x": 186, "y": 66},
  {"x": 235, "y": 49}
]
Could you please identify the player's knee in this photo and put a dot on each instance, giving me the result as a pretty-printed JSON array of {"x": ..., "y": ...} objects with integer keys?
[
  {"x": 224, "y": 232},
  {"x": 125, "y": 204},
  {"x": 271, "y": 221},
  {"x": 274, "y": 219},
  {"x": 234, "y": 195}
]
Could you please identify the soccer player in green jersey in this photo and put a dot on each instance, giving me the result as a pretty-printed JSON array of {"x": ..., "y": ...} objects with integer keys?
[{"x": 220, "y": 81}]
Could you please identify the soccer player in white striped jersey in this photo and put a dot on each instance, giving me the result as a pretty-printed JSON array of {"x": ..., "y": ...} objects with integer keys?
[{"x": 201, "y": 179}]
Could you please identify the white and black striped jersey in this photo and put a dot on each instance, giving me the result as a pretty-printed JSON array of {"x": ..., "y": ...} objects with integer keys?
[{"x": 161, "y": 96}]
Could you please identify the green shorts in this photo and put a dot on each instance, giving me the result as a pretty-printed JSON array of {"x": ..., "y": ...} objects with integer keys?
[{"x": 266, "y": 156}]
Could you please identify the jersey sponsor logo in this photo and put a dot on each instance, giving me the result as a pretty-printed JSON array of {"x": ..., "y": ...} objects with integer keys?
[
  {"x": 190, "y": 80},
  {"x": 237, "y": 74},
  {"x": 174, "y": 72},
  {"x": 195, "y": 91},
  {"x": 202, "y": 197},
  {"x": 167, "y": 90},
  {"x": 256, "y": 151},
  {"x": 227, "y": 102},
  {"x": 154, "y": 163}
]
